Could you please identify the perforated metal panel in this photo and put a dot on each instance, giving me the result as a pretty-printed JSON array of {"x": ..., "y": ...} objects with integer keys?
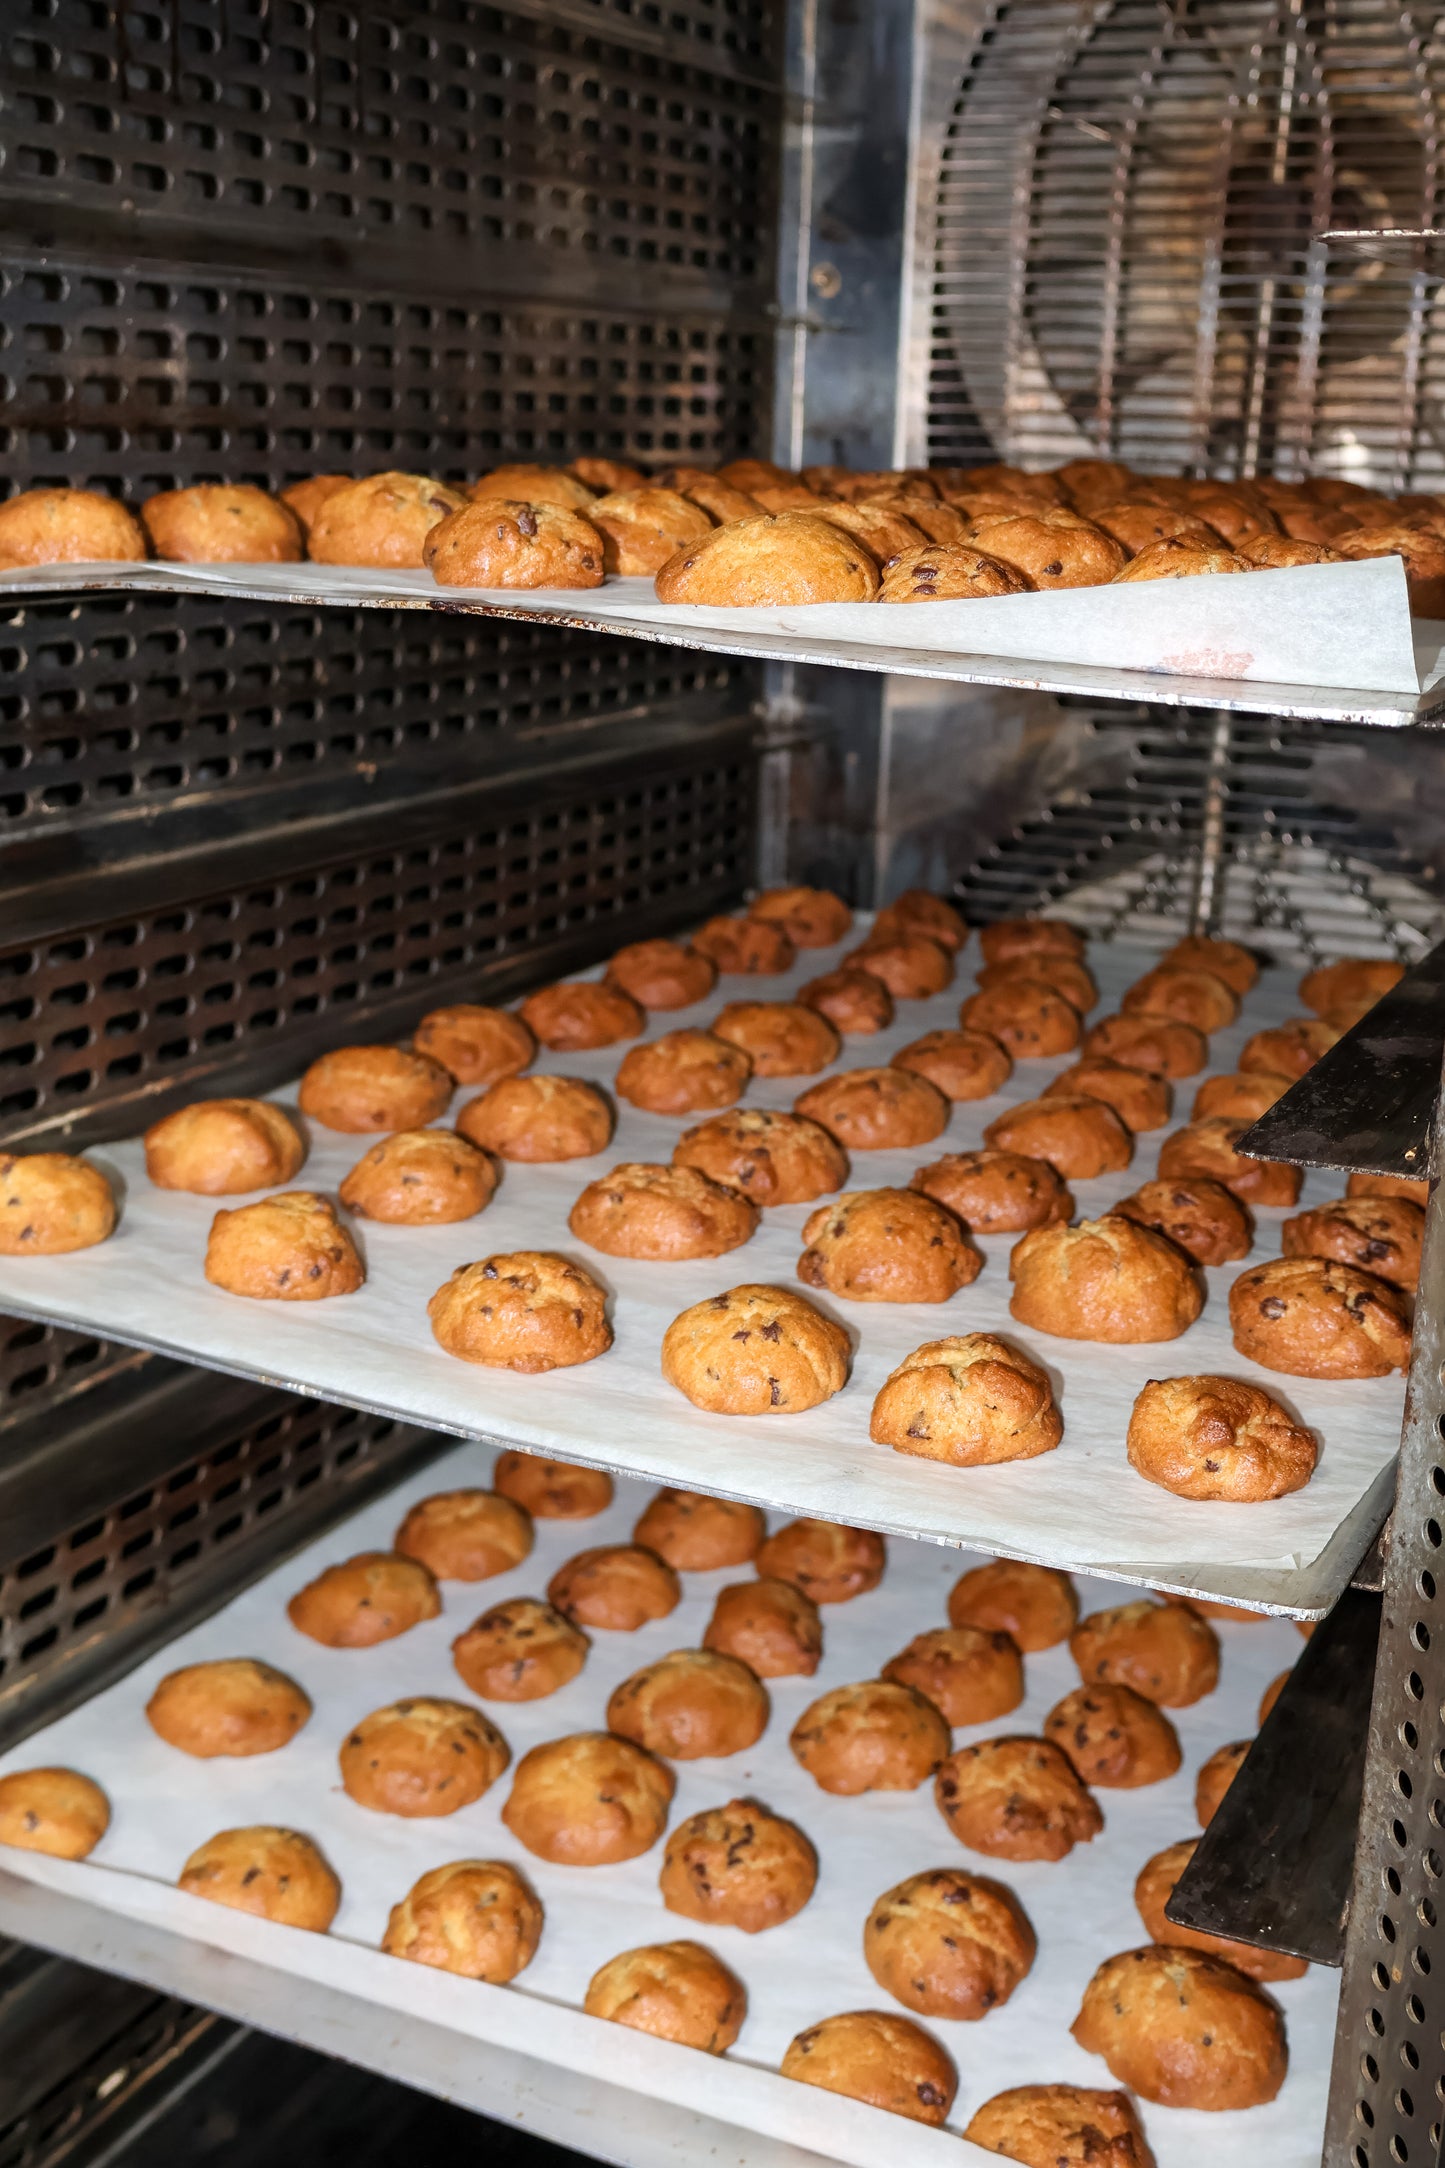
[
  {"x": 43, "y": 1365},
  {"x": 1126, "y": 251}
]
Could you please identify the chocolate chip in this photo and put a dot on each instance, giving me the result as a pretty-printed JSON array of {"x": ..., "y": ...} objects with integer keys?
[
  {"x": 1273, "y": 1306},
  {"x": 527, "y": 520}
]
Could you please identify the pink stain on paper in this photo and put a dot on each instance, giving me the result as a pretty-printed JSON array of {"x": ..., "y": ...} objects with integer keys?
[{"x": 1215, "y": 662}]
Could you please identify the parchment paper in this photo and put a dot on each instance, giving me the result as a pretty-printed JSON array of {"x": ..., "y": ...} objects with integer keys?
[
  {"x": 1081, "y": 1505},
  {"x": 1081, "y": 1908},
  {"x": 1343, "y": 626}
]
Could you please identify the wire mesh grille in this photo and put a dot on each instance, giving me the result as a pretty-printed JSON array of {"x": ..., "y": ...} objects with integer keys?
[
  {"x": 106, "y": 1012},
  {"x": 43, "y": 1365},
  {"x": 1127, "y": 253}
]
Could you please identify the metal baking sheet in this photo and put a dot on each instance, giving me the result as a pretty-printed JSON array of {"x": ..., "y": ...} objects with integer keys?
[
  {"x": 1081, "y": 1505},
  {"x": 1081, "y": 1908},
  {"x": 1288, "y": 644}
]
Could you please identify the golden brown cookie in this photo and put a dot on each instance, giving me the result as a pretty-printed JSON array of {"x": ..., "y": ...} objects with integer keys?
[
  {"x": 641, "y": 528},
  {"x": 534, "y": 484},
  {"x": 537, "y": 1120},
  {"x": 615, "y": 1588},
  {"x": 874, "y": 1737},
  {"x": 1189, "y": 997},
  {"x": 68, "y": 526},
  {"x": 1313, "y": 1318},
  {"x": 1215, "y": 1777},
  {"x": 1105, "y": 1279},
  {"x": 949, "y": 1944},
  {"x": 738, "y": 1866},
  {"x": 1207, "y": 1148},
  {"x": 366, "y": 1599},
  {"x": 52, "y": 1810},
  {"x": 1164, "y": 1651},
  {"x": 996, "y": 1193},
  {"x": 691, "y": 1705},
  {"x": 884, "y": 529},
  {"x": 1053, "y": 547},
  {"x": 1080, "y": 1137},
  {"x": 1016, "y": 1798},
  {"x": 1061, "y": 2126},
  {"x": 911, "y": 964},
  {"x": 475, "y": 1917},
  {"x": 745, "y": 947},
  {"x": 581, "y": 1014},
  {"x": 466, "y": 1535},
  {"x": 662, "y": 974},
  {"x": 552, "y": 1490},
  {"x": 1152, "y": 1892},
  {"x": 274, "y": 1874},
  {"x": 887, "y": 1245},
  {"x": 1377, "y": 1234},
  {"x": 827, "y": 1560},
  {"x": 590, "y": 1800},
  {"x": 1036, "y": 1605},
  {"x": 1114, "y": 1737},
  {"x": 780, "y": 1038},
  {"x": 1008, "y": 938},
  {"x": 662, "y": 1213},
  {"x": 698, "y": 1534},
  {"x": 770, "y": 563},
  {"x": 420, "y": 1178},
  {"x": 683, "y": 1072},
  {"x": 1184, "y": 2029},
  {"x": 971, "y": 1400},
  {"x": 772, "y": 1158},
  {"x": 961, "y": 1064},
  {"x": 474, "y": 1044},
  {"x": 383, "y": 521},
  {"x": 1141, "y": 1101},
  {"x": 1387, "y": 1185},
  {"x": 1159, "y": 1044},
  {"x": 287, "y": 1248},
  {"x": 1352, "y": 982},
  {"x": 1289, "y": 1049},
  {"x": 360, "y": 1088},
  {"x": 677, "y": 1991},
  {"x": 716, "y": 498},
  {"x": 771, "y": 1625},
  {"x": 755, "y": 1351},
  {"x": 876, "y": 1110},
  {"x": 52, "y": 1203},
  {"x": 1228, "y": 960},
  {"x": 924, "y": 912},
  {"x": 854, "y": 1001},
  {"x": 811, "y": 917},
  {"x": 306, "y": 498},
  {"x": 1238, "y": 1098},
  {"x": 222, "y": 523},
  {"x": 1176, "y": 559},
  {"x": 1065, "y": 974},
  {"x": 1423, "y": 553},
  {"x": 234, "y": 1706},
  {"x": 422, "y": 1757},
  {"x": 223, "y": 1147},
  {"x": 507, "y": 543},
  {"x": 969, "y": 1674},
  {"x": 1205, "y": 1437},
  {"x": 1137, "y": 525},
  {"x": 521, "y": 1650},
  {"x": 1028, "y": 1016},
  {"x": 526, "y": 1310},
  {"x": 1206, "y": 1220},
  {"x": 870, "y": 2055},
  {"x": 948, "y": 572}
]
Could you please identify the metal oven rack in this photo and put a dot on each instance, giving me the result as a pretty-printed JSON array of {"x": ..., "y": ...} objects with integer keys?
[{"x": 255, "y": 239}]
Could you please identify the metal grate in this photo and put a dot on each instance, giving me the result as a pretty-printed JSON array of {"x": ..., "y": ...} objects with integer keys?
[
  {"x": 414, "y": 159},
  {"x": 177, "y": 1536},
  {"x": 106, "y": 1014},
  {"x": 43, "y": 1365},
  {"x": 73, "y": 2122},
  {"x": 1126, "y": 251}
]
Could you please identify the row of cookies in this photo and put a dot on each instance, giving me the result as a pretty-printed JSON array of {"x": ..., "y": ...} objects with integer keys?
[
  {"x": 753, "y": 533},
  {"x": 739, "y": 1864}
]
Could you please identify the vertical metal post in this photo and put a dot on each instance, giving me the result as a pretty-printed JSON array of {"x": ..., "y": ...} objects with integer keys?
[
  {"x": 1388, "y": 2081},
  {"x": 1204, "y": 905}
]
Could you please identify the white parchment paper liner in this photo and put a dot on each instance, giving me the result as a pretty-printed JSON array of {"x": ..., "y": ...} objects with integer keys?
[
  {"x": 1081, "y": 1908},
  {"x": 1082, "y": 1504}
]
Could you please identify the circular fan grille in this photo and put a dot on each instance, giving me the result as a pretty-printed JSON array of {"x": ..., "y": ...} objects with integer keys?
[{"x": 1128, "y": 250}]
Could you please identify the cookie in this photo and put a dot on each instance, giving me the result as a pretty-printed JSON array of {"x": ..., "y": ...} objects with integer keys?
[
  {"x": 1065, "y": 974},
  {"x": 738, "y": 1866},
  {"x": 590, "y": 1800},
  {"x": 971, "y": 1400},
  {"x": 1114, "y": 1737},
  {"x": 382, "y": 522},
  {"x": 1289, "y": 1049},
  {"x": 287, "y": 1248},
  {"x": 1061, "y": 2126},
  {"x": 771, "y": 1158},
  {"x": 755, "y": 1351},
  {"x": 969, "y": 1674},
  {"x": 474, "y": 1917},
  {"x": 1203, "y": 1218},
  {"x": 615, "y": 1587},
  {"x": 1016, "y": 1798},
  {"x": 475, "y": 1044},
  {"x": 52, "y": 1203},
  {"x": 874, "y": 1737},
  {"x": 828, "y": 1561},
  {"x": 961, "y": 1064},
  {"x": 1141, "y": 1101},
  {"x": 911, "y": 966},
  {"x": 274, "y": 1874},
  {"x": 364, "y": 1600},
  {"x": 1081, "y": 1138},
  {"x": 811, "y": 917},
  {"x": 1215, "y": 1777},
  {"x": 422, "y": 1757},
  {"x": 662, "y": 974},
  {"x": 223, "y": 1147},
  {"x": 949, "y": 1944},
  {"x": 1189, "y": 997},
  {"x": 683, "y": 1072},
  {"x": 1008, "y": 938},
  {"x": 1183, "y": 2029},
  {"x": 538, "y": 1120},
  {"x": 581, "y": 1015},
  {"x": 771, "y": 1625},
  {"x": 1238, "y": 1097},
  {"x": 677, "y": 1991},
  {"x": 528, "y": 1311},
  {"x": 1381, "y": 1235},
  {"x": 1227, "y": 960},
  {"x": 875, "y": 1110},
  {"x": 552, "y": 1490},
  {"x": 521, "y": 1650},
  {"x": 1350, "y": 982},
  {"x": 691, "y": 1705},
  {"x": 775, "y": 563},
  {"x": 420, "y": 1178},
  {"x": 698, "y": 1534},
  {"x": 1312, "y": 1318},
  {"x": 465, "y": 1535},
  {"x": 68, "y": 526},
  {"x": 873, "y": 2056},
  {"x": 1152, "y": 1891},
  {"x": 1105, "y": 1280},
  {"x": 745, "y": 947},
  {"x": 504, "y": 542},
  {"x": 1159, "y": 1044},
  {"x": 887, "y": 1245},
  {"x": 780, "y": 1038},
  {"x": 661, "y": 1213},
  {"x": 1164, "y": 1651},
  {"x": 361, "y": 1088},
  {"x": 996, "y": 1193},
  {"x": 1027, "y": 1016},
  {"x": 52, "y": 1810},
  {"x": 1208, "y": 1437},
  {"x": 236, "y": 1706},
  {"x": 222, "y": 523},
  {"x": 1035, "y": 1605},
  {"x": 855, "y": 1002},
  {"x": 1208, "y": 1148}
]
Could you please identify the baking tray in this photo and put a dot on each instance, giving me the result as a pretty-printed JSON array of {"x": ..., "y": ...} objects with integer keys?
[
  {"x": 338, "y": 1991},
  {"x": 1081, "y": 1505},
  {"x": 1287, "y": 644}
]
